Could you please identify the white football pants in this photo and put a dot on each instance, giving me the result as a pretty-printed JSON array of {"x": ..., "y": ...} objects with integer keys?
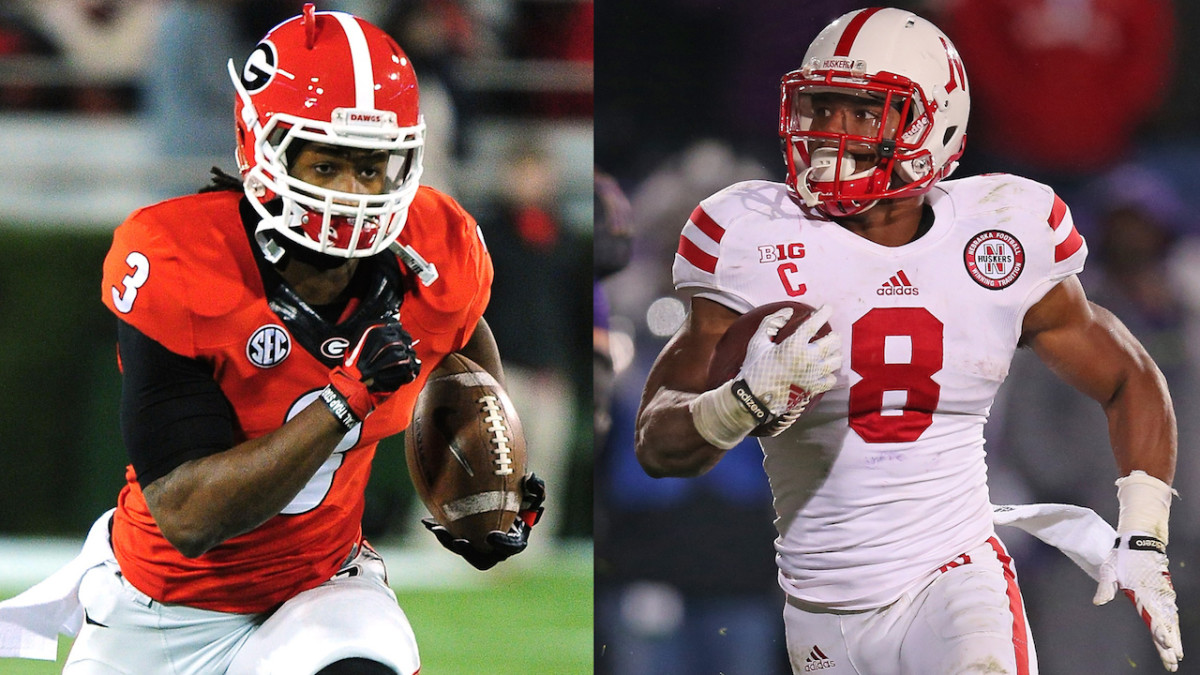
[
  {"x": 969, "y": 618},
  {"x": 354, "y": 614}
]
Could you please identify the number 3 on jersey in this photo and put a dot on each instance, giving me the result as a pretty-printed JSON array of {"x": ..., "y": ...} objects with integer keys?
[
  {"x": 896, "y": 351},
  {"x": 123, "y": 297}
]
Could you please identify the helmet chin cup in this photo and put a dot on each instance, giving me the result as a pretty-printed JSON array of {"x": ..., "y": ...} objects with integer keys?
[
  {"x": 823, "y": 168},
  {"x": 829, "y": 183}
]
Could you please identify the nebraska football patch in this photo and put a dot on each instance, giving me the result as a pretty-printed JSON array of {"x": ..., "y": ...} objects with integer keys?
[{"x": 994, "y": 259}]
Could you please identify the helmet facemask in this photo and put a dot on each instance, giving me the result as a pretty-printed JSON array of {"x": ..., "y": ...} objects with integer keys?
[
  {"x": 333, "y": 80},
  {"x": 844, "y": 167},
  {"x": 331, "y": 222},
  {"x": 913, "y": 73}
]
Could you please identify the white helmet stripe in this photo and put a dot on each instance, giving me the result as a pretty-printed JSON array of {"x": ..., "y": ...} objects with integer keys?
[{"x": 360, "y": 58}]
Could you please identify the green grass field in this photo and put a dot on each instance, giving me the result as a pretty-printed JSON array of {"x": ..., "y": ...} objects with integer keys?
[{"x": 530, "y": 619}]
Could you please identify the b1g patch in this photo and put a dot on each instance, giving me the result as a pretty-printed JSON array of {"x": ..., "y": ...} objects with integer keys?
[
  {"x": 994, "y": 259},
  {"x": 268, "y": 346}
]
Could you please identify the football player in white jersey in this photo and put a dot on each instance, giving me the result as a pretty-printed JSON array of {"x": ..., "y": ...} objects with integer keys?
[{"x": 886, "y": 545}]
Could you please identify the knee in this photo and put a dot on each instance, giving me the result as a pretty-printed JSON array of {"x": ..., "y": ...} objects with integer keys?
[{"x": 356, "y": 666}]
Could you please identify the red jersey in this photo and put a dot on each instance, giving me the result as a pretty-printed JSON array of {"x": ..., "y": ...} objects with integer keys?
[{"x": 183, "y": 273}]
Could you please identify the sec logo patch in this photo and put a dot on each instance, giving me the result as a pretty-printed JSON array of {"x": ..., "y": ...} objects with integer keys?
[
  {"x": 268, "y": 346},
  {"x": 994, "y": 259}
]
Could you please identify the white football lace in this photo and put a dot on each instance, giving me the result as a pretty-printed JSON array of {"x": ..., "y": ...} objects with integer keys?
[{"x": 499, "y": 437}]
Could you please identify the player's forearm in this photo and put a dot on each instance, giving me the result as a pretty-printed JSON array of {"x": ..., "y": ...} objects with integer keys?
[
  {"x": 666, "y": 441},
  {"x": 1141, "y": 423},
  {"x": 207, "y": 501}
]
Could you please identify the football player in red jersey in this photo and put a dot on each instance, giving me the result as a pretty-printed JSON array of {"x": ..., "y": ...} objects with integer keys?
[
  {"x": 271, "y": 331},
  {"x": 886, "y": 545}
]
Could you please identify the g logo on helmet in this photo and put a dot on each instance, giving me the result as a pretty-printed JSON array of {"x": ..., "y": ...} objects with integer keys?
[
  {"x": 260, "y": 68},
  {"x": 268, "y": 346}
]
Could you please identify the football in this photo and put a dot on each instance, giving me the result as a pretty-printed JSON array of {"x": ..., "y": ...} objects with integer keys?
[
  {"x": 466, "y": 451},
  {"x": 730, "y": 351}
]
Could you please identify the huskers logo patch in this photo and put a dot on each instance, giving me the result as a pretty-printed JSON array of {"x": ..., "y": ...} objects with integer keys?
[
  {"x": 269, "y": 346},
  {"x": 994, "y": 259}
]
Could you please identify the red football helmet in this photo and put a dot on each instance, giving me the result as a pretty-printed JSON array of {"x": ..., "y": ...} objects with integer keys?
[
  {"x": 330, "y": 78},
  {"x": 905, "y": 84}
]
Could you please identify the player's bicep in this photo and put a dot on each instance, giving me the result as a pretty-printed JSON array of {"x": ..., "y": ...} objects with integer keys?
[
  {"x": 1082, "y": 343},
  {"x": 172, "y": 410},
  {"x": 683, "y": 363}
]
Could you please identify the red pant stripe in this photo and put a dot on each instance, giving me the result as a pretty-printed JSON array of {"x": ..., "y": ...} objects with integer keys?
[{"x": 1020, "y": 633}]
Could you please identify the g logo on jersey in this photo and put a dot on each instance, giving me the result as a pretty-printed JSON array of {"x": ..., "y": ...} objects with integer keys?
[
  {"x": 260, "y": 67},
  {"x": 268, "y": 346},
  {"x": 994, "y": 259},
  {"x": 335, "y": 347}
]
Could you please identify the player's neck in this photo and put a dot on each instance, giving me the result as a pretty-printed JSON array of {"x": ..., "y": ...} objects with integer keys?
[
  {"x": 891, "y": 222},
  {"x": 318, "y": 286}
]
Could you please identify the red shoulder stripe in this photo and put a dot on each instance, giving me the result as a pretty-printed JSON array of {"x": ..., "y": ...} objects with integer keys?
[
  {"x": 697, "y": 257},
  {"x": 706, "y": 224},
  {"x": 1074, "y": 240},
  {"x": 1057, "y": 212}
]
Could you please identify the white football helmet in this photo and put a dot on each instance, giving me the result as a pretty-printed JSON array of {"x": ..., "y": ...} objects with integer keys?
[
  {"x": 889, "y": 57},
  {"x": 334, "y": 79}
]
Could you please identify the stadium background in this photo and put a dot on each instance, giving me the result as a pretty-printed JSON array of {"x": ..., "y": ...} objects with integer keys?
[
  {"x": 107, "y": 106},
  {"x": 1097, "y": 98}
]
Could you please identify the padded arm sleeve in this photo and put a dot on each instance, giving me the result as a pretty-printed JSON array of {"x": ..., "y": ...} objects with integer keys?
[{"x": 172, "y": 410}]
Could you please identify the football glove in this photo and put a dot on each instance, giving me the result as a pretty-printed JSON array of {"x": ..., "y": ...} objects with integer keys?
[
  {"x": 383, "y": 361},
  {"x": 776, "y": 382},
  {"x": 1137, "y": 565},
  {"x": 503, "y": 545}
]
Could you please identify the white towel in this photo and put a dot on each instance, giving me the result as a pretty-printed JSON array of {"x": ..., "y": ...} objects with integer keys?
[
  {"x": 31, "y": 622},
  {"x": 1081, "y": 534}
]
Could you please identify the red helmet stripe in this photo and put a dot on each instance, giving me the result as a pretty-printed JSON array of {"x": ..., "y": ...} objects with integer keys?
[
  {"x": 852, "y": 30},
  {"x": 360, "y": 58}
]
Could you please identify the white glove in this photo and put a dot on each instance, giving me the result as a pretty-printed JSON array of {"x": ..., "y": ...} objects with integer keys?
[
  {"x": 777, "y": 380},
  {"x": 1137, "y": 565}
]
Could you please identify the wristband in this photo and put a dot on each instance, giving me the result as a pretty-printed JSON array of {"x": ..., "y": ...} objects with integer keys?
[
  {"x": 356, "y": 394},
  {"x": 721, "y": 418},
  {"x": 752, "y": 404},
  {"x": 339, "y": 406},
  {"x": 1142, "y": 542},
  {"x": 1145, "y": 505}
]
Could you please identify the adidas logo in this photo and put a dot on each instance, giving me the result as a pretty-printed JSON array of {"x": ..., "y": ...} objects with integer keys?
[
  {"x": 897, "y": 285},
  {"x": 817, "y": 661}
]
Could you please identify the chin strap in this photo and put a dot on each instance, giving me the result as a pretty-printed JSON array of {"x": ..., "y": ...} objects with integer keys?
[{"x": 426, "y": 271}]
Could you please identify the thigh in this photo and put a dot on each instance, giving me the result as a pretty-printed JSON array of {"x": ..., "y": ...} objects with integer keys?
[
  {"x": 353, "y": 614},
  {"x": 816, "y": 640},
  {"x": 971, "y": 619},
  {"x": 124, "y": 631}
]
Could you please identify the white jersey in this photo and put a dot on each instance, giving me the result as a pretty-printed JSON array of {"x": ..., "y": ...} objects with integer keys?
[{"x": 884, "y": 481}]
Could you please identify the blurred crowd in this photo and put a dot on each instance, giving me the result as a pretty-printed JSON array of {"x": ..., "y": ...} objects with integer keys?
[{"x": 1092, "y": 97}]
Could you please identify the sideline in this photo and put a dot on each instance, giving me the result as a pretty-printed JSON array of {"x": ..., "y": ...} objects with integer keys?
[{"x": 24, "y": 561}]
